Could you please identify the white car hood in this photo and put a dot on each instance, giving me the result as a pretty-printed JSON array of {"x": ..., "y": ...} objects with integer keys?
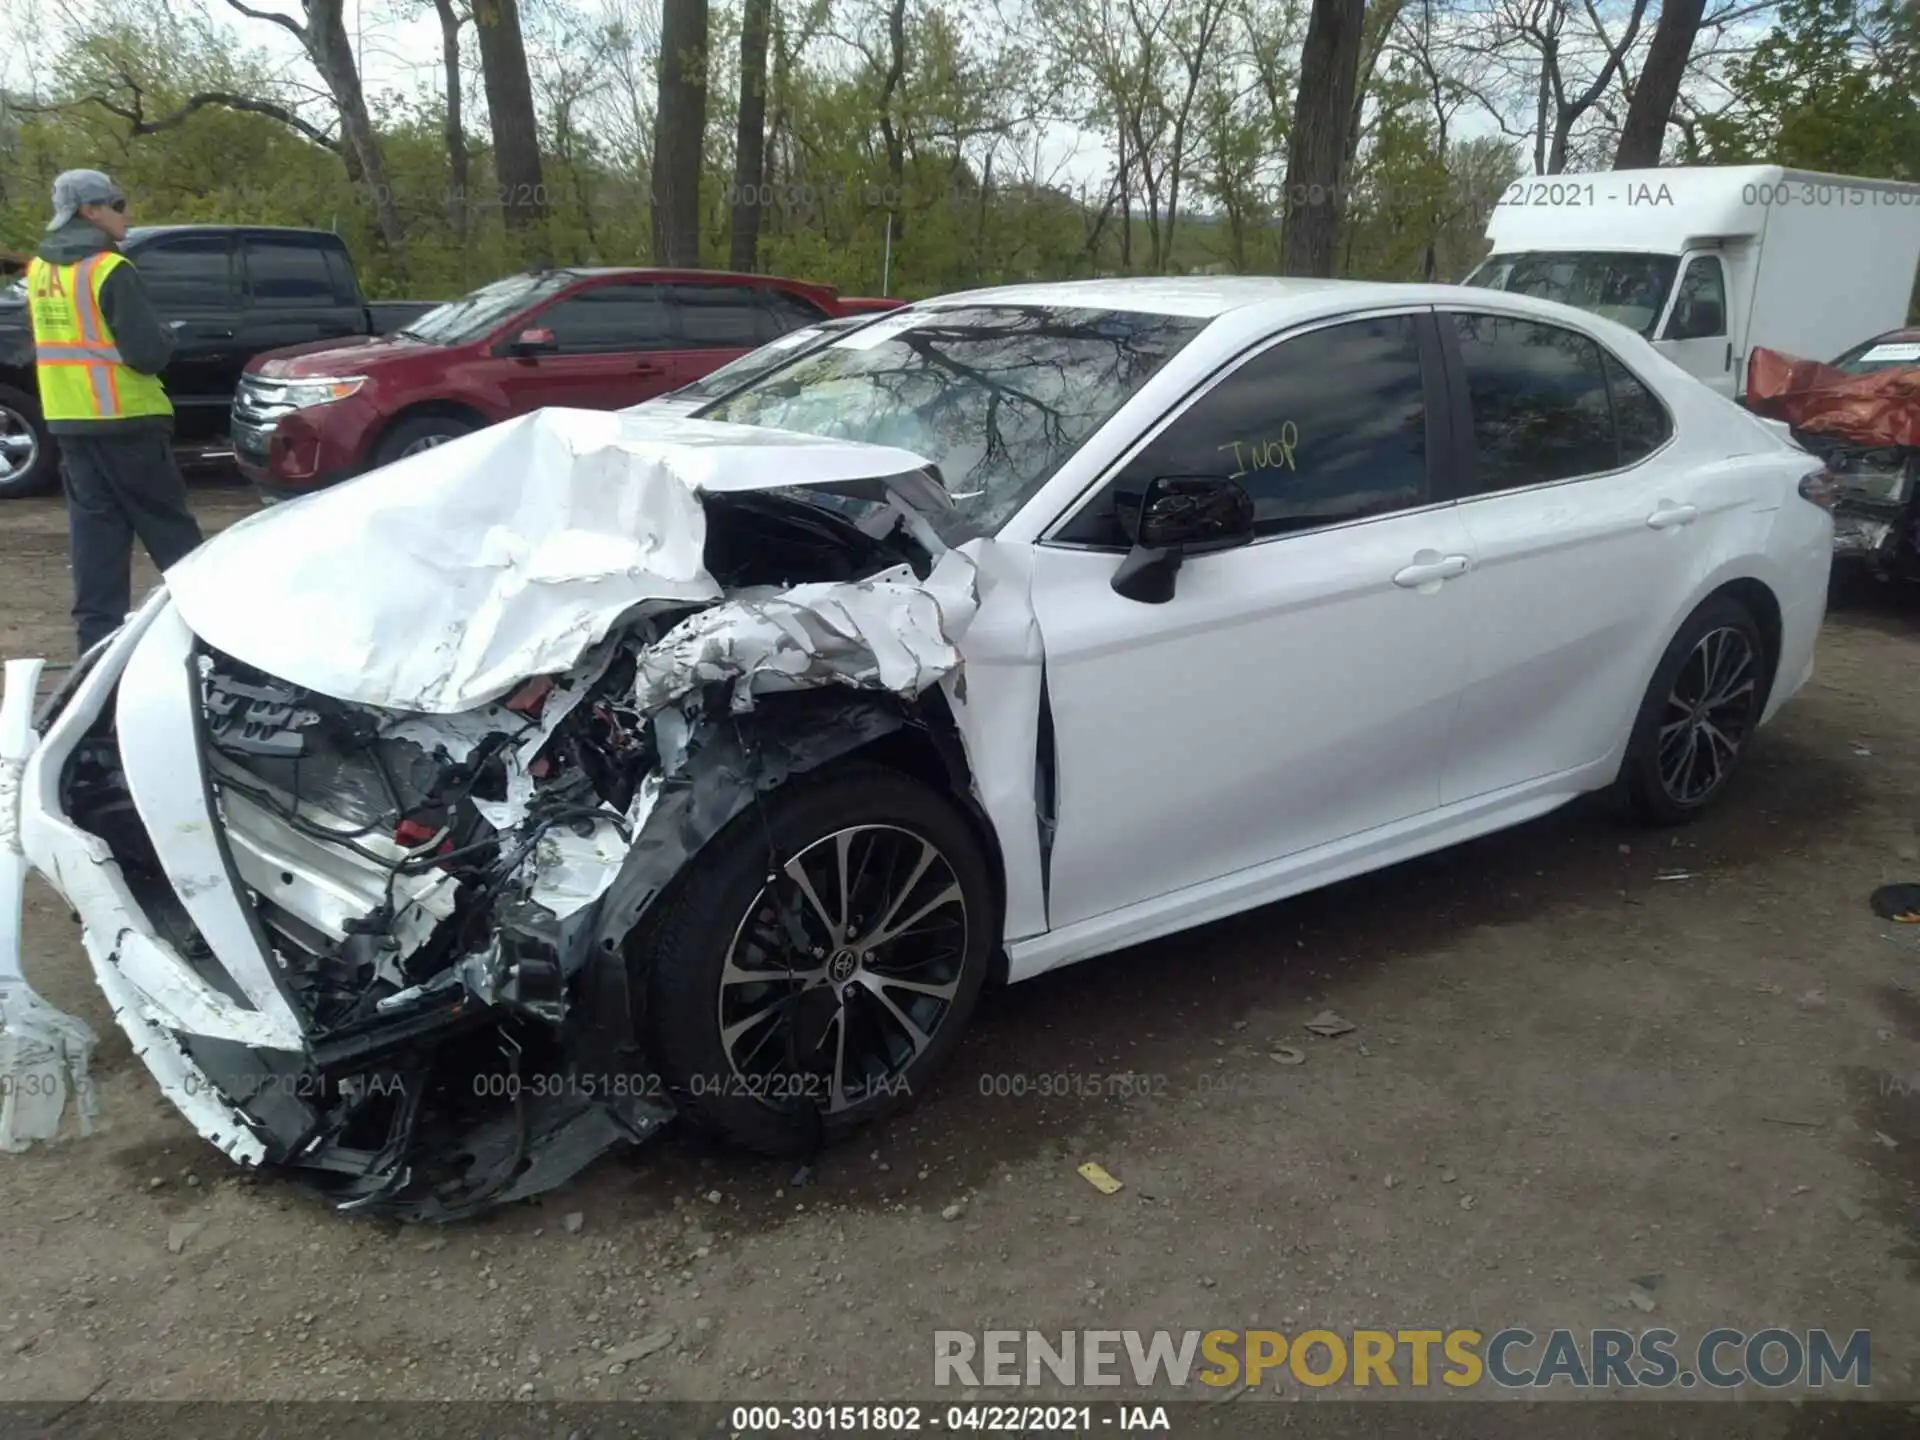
[{"x": 437, "y": 583}]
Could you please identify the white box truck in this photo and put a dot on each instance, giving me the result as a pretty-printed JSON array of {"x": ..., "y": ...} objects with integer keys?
[{"x": 1710, "y": 262}]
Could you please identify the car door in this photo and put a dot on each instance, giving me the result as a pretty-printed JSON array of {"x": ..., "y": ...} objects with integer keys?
[
  {"x": 190, "y": 278},
  {"x": 1695, "y": 335},
  {"x": 613, "y": 348},
  {"x": 1585, "y": 541},
  {"x": 1293, "y": 692}
]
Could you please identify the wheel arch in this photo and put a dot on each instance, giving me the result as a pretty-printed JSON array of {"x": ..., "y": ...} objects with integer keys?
[
  {"x": 441, "y": 408},
  {"x": 1760, "y": 601},
  {"x": 802, "y": 735},
  {"x": 929, "y": 749},
  {"x": 1758, "y": 598}
]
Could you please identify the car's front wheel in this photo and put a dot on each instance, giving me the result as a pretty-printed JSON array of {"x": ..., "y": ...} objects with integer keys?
[
  {"x": 422, "y": 432},
  {"x": 1699, "y": 714},
  {"x": 814, "y": 967}
]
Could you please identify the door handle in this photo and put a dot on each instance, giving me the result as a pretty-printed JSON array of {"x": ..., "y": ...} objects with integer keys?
[
  {"x": 646, "y": 367},
  {"x": 1668, "y": 516},
  {"x": 1425, "y": 572}
]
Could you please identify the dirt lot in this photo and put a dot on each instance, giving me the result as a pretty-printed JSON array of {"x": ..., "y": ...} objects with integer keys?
[{"x": 1569, "y": 1073}]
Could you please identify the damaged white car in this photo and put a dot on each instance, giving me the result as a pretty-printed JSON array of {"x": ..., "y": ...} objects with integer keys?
[{"x": 436, "y": 833}]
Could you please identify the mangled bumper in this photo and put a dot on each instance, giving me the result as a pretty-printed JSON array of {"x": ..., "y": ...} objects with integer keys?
[
  {"x": 329, "y": 999},
  {"x": 153, "y": 991}
]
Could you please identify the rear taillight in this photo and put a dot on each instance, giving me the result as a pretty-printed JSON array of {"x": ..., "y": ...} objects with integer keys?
[{"x": 1820, "y": 486}]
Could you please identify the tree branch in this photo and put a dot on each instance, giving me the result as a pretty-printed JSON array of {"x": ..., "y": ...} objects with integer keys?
[
  {"x": 287, "y": 23},
  {"x": 138, "y": 124}
]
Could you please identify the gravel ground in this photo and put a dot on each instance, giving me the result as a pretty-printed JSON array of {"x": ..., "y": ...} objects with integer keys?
[{"x": 1581, "y": 1092}]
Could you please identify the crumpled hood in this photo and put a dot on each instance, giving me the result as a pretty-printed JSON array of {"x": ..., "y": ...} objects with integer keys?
[{"x": 437, "y": 583}]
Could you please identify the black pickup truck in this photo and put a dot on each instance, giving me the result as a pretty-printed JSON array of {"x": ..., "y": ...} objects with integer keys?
[{"x": 232, "y": 292}]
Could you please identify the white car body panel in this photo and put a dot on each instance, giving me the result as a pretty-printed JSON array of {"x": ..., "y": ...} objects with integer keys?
[
  {"x": 1288, "y": 696},
  {"x": 1303, "y": 709}
]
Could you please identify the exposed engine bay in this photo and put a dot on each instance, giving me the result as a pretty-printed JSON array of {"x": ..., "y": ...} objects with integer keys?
[{"x": 445, "y": 897}]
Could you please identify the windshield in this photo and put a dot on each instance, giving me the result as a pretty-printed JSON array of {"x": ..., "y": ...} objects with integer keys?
[
  {"x": 459, "y": 322},
  {"x": 1629, "y": 289},
  {"x": 998, "y": 397},
  {"x": 1887, "y": 352}
]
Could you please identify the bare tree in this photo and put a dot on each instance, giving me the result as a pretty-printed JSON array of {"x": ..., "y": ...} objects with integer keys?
[
  {"x": 1317, "y": 144},
  {"x": 679, "y": 130},
  {"x": 1643, "y": 133},
  {"x": 325, "y": 40},
  {"x": 750, "y": 134},
  {"x": 510, "y": 114},
  {"x": 457, "y": 158}
]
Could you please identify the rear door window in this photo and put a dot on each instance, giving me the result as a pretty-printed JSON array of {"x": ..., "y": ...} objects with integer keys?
[
  {"x": 188, "y": 272},
  {"x": 608, "y": 319},
  {"x": 1538, "y": 393},
  {"x": 722, "y": 317},
  {"x": 1637, "y": 413},
  {"x": 284, "y": 274}
]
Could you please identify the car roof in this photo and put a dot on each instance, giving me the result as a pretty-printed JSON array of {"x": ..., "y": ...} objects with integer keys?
[
  {"x": 142, "y": 231},
  {"x": 697, "y": 277},
  {"x": 1189, "y": 295},
  {"x": 1242, "y": 307}
]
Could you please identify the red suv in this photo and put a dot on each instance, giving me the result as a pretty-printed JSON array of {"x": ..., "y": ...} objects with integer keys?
[{"x": 308, "y": 416}]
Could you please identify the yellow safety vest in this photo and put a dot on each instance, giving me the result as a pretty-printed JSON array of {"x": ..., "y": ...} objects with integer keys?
[{"x": 81, "y": 374}]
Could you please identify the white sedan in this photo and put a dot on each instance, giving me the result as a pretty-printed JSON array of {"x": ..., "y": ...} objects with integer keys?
[{"x": 436, "y": 833}]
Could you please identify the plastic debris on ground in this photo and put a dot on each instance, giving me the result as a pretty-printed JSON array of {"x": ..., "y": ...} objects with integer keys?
[{"x": 1097, "y": 1176}]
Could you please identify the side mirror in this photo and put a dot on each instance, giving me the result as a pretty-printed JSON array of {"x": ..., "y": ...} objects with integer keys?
[
  {"x": 1181, "y": 516},
  {"x": 534, "y": 342}
]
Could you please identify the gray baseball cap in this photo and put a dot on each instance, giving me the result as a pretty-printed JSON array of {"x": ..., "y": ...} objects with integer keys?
[{"x": 74, "y": 188}]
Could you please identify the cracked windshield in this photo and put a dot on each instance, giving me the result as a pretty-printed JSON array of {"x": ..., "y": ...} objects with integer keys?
[{"x": 997, "y": 397}]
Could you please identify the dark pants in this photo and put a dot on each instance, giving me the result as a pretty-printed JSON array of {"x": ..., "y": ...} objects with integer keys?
[{"x": 119, "y": 486}]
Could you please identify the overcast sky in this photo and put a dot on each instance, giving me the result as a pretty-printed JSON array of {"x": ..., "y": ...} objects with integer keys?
[{"x": 399, "y": 47}]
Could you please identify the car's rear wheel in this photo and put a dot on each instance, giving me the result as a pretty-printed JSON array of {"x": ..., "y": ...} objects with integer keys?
[
  {"x": 1699, "y": 714},
  {"x": 423, "y": 432},
  {"x": 814, "y": 968},
  {"x": 28, "y": 462}
]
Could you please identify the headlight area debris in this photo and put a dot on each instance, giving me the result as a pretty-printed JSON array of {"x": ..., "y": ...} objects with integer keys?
[{"x": 447, "y": 896}]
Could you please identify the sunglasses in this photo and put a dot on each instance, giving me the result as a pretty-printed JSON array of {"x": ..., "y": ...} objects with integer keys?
[{"x": 119, "y": 207}]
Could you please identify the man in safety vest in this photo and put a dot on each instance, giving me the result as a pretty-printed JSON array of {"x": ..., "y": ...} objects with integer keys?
[{"x": 99, "y": 349}]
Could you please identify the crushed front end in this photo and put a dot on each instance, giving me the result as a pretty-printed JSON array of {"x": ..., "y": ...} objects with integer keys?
[
  {"x": 325, "y": 950},
  {"x": 383, "y": 944}
]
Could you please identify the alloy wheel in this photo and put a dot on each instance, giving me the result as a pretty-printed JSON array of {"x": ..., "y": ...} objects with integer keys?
[
  {"x": 1709, "y": 714},
  {"x": 425, "y": 442},
  {"x": 19, "y": 446},
  {"x": 844, "y": 968}
]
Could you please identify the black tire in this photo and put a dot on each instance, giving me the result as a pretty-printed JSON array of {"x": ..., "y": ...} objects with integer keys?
[
  {"x": 20, "y": 421},
  {"x": 1697, "y": 774},
  {"x": 418, "y": 433},
  {"x": 682, "y": 952}
]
